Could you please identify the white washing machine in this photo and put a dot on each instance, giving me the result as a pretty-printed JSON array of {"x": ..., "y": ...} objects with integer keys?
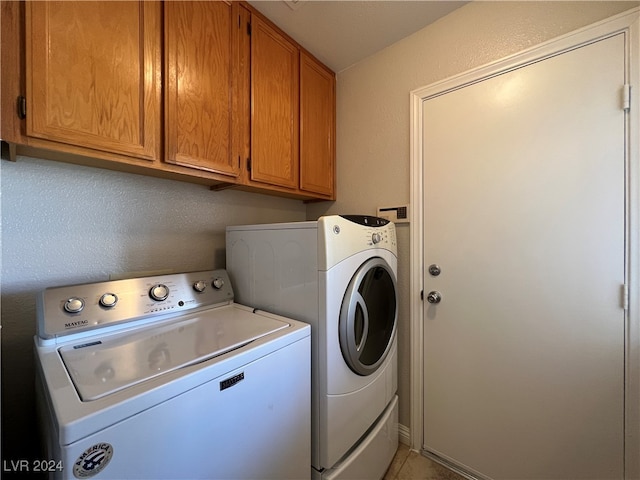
[
  {"x": 166, "y": 377},
  {"x": 339, "y": 275}
]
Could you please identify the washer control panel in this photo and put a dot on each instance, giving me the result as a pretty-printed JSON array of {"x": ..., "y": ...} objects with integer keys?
[{"x": 76, "y": 308}]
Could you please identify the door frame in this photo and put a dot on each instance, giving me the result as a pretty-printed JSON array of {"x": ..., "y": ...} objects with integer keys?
[{"x": 628, "y": 23}]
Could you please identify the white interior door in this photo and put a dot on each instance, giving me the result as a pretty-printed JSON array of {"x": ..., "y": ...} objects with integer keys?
[{"x": 524, "y": 213}]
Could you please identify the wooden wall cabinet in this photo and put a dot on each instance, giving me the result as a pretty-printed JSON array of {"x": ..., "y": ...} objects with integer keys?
[
  {"x": 292, "y": 116},
  {"x": 317, "y": 127},
  {"x": 274, "y": 107},
  {"x": 244, "y": 105},
  {"x": 93, "y": 73},
  {"x": 201, "y": 87},
  {"x": 82, "y": 83}
]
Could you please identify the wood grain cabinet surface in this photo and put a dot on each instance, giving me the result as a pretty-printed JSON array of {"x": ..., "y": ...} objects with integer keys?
[
  {"x": 201, "y": 93},
  {"x": 93, "y": 75},
  {"x": 209, "y": 92},
  {"x": 292, "y": 115},
  {"x": 317, "y": 127},
  {"x": 274, "y": 106}
]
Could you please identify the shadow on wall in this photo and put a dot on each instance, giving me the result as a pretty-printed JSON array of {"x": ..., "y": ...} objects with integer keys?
[{"x": 20, "y": 436}]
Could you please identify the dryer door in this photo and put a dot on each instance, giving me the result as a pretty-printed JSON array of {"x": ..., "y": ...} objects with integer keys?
[{"x": 368, "y": 316}]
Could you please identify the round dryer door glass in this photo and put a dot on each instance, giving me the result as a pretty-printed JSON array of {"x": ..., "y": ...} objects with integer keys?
[{"x": 368, "y": 316}]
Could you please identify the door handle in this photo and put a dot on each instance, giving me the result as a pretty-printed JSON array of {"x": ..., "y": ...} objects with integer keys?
[{"x": 434, "y": 297}]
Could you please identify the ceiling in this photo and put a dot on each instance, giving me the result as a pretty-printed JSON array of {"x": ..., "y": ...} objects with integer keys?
[{"x": 341, "y": 33}]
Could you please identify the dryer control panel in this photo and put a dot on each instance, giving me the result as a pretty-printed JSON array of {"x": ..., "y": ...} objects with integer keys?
[
  {"x": 341, "y": 236},
  {"x": 77, "y": 308}
]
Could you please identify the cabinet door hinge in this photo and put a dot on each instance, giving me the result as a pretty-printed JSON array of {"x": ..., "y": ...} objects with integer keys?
[
  {"x": 626, "y": 97},
  {"x": 248, "y": 164},
  {"x": 248, "y": 28},
  {"x": 22, "y": 107},
  {"x": 625, "y": 296}
]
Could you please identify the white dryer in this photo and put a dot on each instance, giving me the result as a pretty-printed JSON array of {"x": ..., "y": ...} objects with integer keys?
[{"x": 339, "y": 275}]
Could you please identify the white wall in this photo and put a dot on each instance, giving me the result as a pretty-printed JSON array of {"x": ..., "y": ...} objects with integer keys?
[
  {"x": 64, "y": 224},
  {"x": 373, "y": 110}
]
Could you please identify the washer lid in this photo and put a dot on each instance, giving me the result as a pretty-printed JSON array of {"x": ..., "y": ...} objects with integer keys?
[{"x": 104, "y": 366}]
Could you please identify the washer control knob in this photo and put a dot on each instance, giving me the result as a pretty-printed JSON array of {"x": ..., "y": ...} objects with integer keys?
[
  {"x": 200, "y": 286},
  {"x": 74, "y": 305},
  {"x": 376, "y": 238},
  {"x": 108, "y": 300},
  {"x": 159, "y": 292},
  {"x": 218, "y": 283}
]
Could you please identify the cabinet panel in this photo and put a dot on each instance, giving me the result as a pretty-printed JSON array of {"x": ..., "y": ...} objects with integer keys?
[
  {"x": 317, "y": 127},
  {"x": 201, "y": 45},
  {"x": 239, "y": 110},
  {"x": 93, "y": 75},
  {"x": 274, "y": 106}
]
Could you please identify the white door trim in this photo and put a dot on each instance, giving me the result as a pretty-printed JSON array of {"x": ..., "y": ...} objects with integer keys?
[{"x": 628, "y": 23}]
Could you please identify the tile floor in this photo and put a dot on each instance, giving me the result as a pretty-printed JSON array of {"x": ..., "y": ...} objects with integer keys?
[{"x": 410, "y": 465}]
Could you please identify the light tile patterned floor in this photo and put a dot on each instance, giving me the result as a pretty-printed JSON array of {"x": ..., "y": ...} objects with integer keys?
[{"x": 410, "y": 465}]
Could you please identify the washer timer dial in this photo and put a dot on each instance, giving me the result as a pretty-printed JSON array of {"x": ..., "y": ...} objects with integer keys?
[
  {"x": 159, "y": 292},
  {"x": 108, "y": 300},
  {"x": 200, "y": 286},
  {"x": 74, "y": 305}
]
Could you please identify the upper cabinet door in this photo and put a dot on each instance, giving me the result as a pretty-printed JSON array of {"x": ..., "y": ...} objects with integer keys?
[
  {"x": 274, "y": 106},
  {"x": 201, "y": 45},
  {"x": 94, "y": 75},
  {"x": 317, "y": 127}
]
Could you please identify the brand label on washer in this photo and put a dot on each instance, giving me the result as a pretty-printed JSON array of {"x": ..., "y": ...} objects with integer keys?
[
  {"x": 93, "y": 460},
  {"x": 230, "y": 382},
  {"x": 79, "y": 323}
]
